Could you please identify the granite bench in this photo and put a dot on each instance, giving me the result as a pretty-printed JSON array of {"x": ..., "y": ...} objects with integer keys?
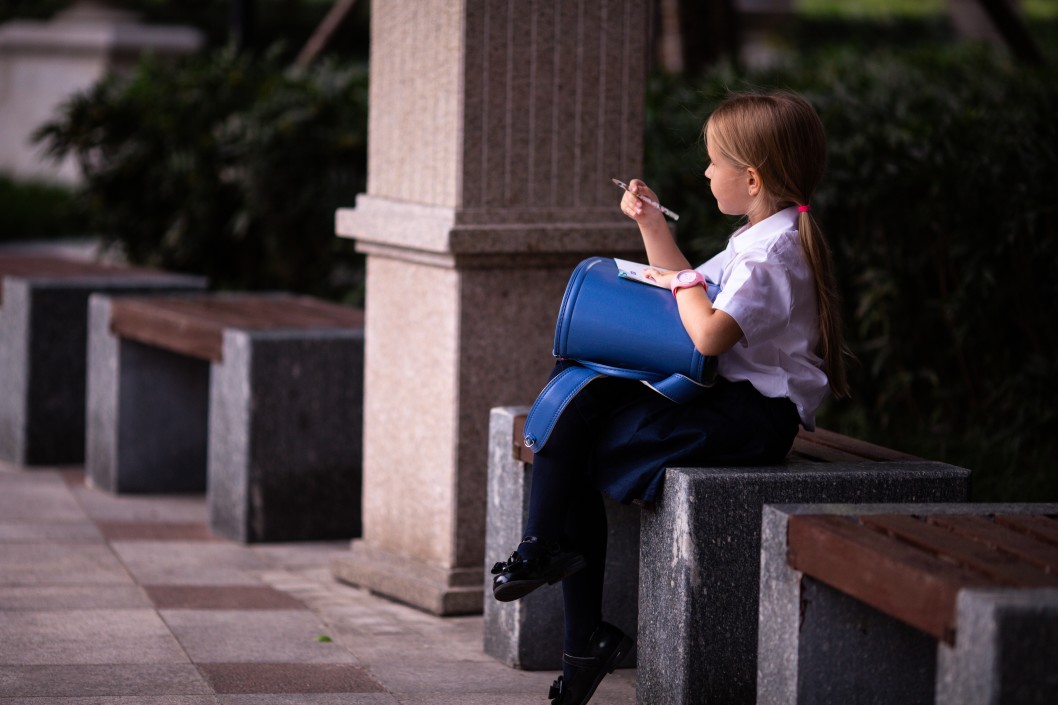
[
  {"x": 256, "y": 398},
  {"x": 43, "y": 334},
  {"x": 955, "y": 604},
  {"x": 683, "y": 575}
]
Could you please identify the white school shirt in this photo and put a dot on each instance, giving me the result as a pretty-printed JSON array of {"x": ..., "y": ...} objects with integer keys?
[{"x": 767, "y": 286}]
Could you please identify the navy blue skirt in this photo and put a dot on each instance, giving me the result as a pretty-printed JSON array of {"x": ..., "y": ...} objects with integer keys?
[{"x": 637, "y": 433}]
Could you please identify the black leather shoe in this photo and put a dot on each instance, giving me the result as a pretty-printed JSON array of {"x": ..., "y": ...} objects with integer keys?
[
  {"x": 519, "y": 576},
  {"x": 607, "y": 646}
]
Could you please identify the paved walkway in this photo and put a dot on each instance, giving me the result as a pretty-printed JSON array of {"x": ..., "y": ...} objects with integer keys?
[{"x": 131, "y": 600}]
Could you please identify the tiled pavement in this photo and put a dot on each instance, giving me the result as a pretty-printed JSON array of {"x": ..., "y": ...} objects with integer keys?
[{"x": 130, "y": 600}]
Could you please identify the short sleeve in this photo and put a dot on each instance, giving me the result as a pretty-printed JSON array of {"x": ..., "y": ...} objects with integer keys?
[{"x": 757, "y": 294}]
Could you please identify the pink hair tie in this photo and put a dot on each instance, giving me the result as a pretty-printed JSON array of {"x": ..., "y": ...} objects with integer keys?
[{"x": 803, "y": 209}]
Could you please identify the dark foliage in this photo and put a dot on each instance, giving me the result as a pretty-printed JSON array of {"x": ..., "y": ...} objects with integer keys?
[
  {"x": 225, "y": 165},
  {"x": 35, "y": 210},
  {"x": 940, "y": 204}
]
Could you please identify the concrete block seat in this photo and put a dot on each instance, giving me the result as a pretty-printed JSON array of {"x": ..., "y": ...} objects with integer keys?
[
  {"x": 955, "y": 604},
  {"x": 256, "y": 398},
  {"x": 43, "y": 334},
  {"x": 683, "y": 575}
]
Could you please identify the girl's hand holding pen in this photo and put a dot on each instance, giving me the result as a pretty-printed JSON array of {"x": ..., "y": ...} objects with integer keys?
[
  {"x": 637, "y": 209},
  {"x": 644, "y": 197}
]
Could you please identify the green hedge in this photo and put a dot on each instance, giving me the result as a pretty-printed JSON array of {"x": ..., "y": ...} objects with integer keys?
[
  {"x": 940, "y": 203},
  {"x": 225, "y": 165},
  {"x": 36, "y": 210}
]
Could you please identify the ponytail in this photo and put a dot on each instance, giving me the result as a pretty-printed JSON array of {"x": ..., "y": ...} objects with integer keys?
[{"x": 831, "y": 336}]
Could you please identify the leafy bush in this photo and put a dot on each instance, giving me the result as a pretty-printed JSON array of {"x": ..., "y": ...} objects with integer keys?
[
  {"x": 31, "y": 210},
  {"x": 224, "y": 165},
  {"x": 940, "y": 204}
]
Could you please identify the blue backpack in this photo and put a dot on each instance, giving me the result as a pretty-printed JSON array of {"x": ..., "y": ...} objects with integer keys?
[{"x": 616, "y": 327}]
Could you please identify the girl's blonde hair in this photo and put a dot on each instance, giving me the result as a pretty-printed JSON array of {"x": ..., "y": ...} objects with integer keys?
[{"x": 780, "y": 135}]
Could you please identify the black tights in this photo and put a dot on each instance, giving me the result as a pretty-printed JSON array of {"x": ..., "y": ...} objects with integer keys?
[{"x": 566, "y": 508}]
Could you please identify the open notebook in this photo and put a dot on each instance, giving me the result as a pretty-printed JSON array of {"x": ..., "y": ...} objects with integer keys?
[{"x": 633, "y": 270}]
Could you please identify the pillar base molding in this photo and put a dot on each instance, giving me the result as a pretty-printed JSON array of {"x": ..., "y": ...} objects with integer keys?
[{"x": 435, "y": 589}]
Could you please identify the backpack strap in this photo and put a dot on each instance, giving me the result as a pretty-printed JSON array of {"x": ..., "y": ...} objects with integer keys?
[
  {"x": 679, "y": 388},
  {"x": 552, "y": 400},
  {"x": 566, "y": 385}
]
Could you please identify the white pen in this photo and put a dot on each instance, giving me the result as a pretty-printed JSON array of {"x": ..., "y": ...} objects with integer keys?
[{"x": 652, "y": 202}]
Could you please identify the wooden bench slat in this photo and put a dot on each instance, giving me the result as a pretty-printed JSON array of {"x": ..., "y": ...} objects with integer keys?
[
  {"x": 272, "y": 312},
  {"x": 195, "y": 326},
  {"x": 228, "y": 313},
  {"x": 905, "y": 582},
  {"x": 1041, "y": 527},
  {"x": 29, "y": 266},
  {"x": 162, "y": 329},
  {"x": 520, "y": 451},
  {"x": 1004, "y": 568},
  {"x": 250, "y": 312},
  {"x": 855, "y": 446},
  {"x": 1001, "y": 538},
  {"x": 809, "y": 449}
]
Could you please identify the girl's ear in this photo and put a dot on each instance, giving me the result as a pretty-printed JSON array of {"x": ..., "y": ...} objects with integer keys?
[{"x": 753, "y": 182}]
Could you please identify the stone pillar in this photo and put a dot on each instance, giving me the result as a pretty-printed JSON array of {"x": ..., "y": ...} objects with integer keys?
[{"x": 494, "y": 129}]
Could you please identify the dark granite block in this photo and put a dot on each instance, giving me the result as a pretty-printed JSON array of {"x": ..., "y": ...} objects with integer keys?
[
  {"x": 1007, "y": 651},
  {"x": 286, "y": 418},
  {"x": 43, "y": 337},
  {"x": 148, "y": 413},
  {"x": 700, "y": 564}
]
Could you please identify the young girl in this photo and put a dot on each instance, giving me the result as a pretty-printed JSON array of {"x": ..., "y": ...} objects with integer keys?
[{"x": 776, "y": 332}]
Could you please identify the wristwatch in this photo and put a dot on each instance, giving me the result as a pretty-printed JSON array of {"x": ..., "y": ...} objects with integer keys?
[{"x": 687, "y": 278}]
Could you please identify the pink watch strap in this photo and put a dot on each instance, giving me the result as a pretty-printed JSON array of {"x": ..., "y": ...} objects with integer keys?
[{"x": 697, "y": 279}]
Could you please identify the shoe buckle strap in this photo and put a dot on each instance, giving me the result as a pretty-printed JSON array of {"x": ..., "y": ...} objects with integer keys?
[{"x": 581, "y": 661}]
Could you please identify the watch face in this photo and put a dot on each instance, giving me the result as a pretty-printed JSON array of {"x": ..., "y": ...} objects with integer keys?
[{"x": 686, "y": 277}]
